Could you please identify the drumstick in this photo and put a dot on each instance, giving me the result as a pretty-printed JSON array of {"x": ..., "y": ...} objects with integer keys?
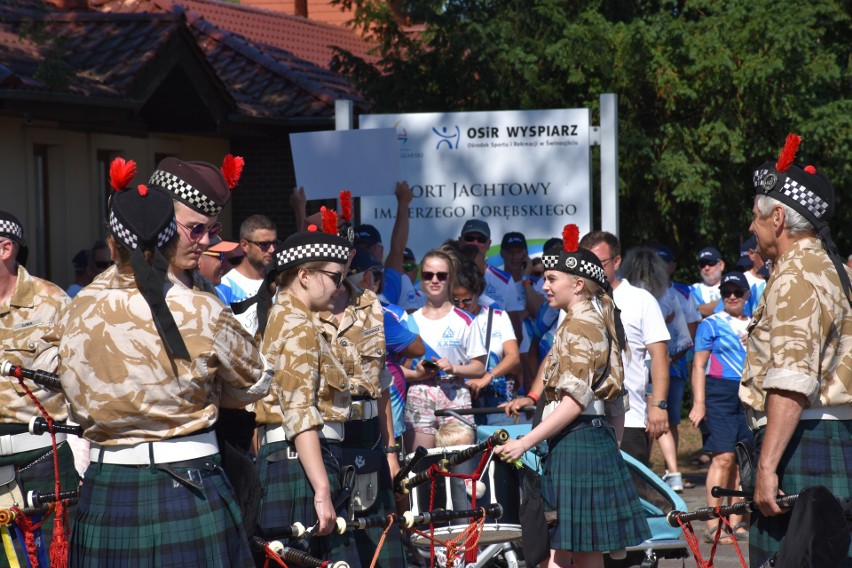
[
  {"x": 498, "y": 438},
  {"x": 42, "y": 378}
]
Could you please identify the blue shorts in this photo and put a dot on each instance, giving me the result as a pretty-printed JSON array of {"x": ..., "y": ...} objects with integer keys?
[
  {"x": 724, "y": 424},
  {"x": 677, "y": 385}
]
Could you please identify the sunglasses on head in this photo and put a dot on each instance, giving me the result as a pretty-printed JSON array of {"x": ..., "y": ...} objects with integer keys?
[
  {"x": 409, "y": 266},
  {"x": 735, "y": 291},
  {"x": 442, "y": 276},
  {"x": 462, "y": 301},
  {"x": 263, "y": 245},
  {"x": 704, "y": 263},
  {"x": 197, "y": 231},
  {"x": 476, "y": 239}
]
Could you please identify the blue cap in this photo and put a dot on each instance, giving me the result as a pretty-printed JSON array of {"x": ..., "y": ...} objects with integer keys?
[
  {"x": 362, "y": 262},
  {"x": 476, "y": 226},
  {"x": 709, "y": 254},
  {"x": 408, "y": 254},
  {"x": 367, "y": 235},
  {"x": 748, "y": 244},
  {"x": 513, "y": 240},
  {"x": 665, "y": 253},
  {"x": 737, "y": 279}
]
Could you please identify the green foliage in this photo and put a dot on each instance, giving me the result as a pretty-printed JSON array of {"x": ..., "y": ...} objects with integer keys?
[{"x": 707, "y": 91}]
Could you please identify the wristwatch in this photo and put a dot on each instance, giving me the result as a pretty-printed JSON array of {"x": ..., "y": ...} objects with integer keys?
[{"x": 661, "y": 404}]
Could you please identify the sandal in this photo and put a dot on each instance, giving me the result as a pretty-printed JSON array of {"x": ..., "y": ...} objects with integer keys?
[
  {"x": 740, "y": 530},
  {"x": 709, "y": 535},
  {"x": 687, "y": 484}
]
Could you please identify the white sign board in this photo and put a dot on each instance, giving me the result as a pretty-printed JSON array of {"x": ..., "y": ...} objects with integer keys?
[
  {"x": 365, "y": 162},
  {"x": 526, "y": 171}
]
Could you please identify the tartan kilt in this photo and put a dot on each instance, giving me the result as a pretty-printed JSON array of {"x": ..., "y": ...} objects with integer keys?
[
  {"x": 288, "y": 498},
  {"x": 365, "y": 435},
  {"x": 819, "y": 453},
  {"x": 142, "y": 517},
  {"x": 586, "y": 481},
  {"x": 35, "y": 473}
]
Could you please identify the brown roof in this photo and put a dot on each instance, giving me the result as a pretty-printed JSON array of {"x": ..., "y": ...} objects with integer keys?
[{"x": 107, "y": 54}]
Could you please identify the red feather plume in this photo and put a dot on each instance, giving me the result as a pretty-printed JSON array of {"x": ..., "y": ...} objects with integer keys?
[
  {"x": 571, "y": 238},
  {"x": 329, "y": 221},
  {"x": 788, "y": 153},
  {"x": 346, "y": 205},
  {"x": 121, "y": 172},
  {"x": 232, "y": 169}
]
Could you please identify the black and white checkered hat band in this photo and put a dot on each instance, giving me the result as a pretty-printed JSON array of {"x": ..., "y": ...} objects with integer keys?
[
  {"x": 574, "y": 265},
  {"x": 130, "y": 239},
  {"x": 10, "y": 228},
  {"x": 185, "y": 192},
  {"x": 765, "y": 181},
  {"x": 311, "y": 251}
]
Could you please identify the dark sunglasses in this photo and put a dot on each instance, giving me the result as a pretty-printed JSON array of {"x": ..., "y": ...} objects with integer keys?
[
  {"x": 377, "y": 274},
  {"x": 197, "y": 231},
  {"x": 704, "y": 263},
  {"x": 735, "y": 291},
  {"x": 442, "y": 276},
  {"x": 409, "y": 266},
  {"x": 103, "y": 264},
  {"x": 476, "y": 239},
  {"x": 219, "y": 255},
  {"x": 336, "y": 277},
  {"x": 263, "y": 245},
  {"x": 462, "y": 301}
]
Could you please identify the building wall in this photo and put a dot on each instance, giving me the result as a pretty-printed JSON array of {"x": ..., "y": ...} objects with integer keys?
[{"x": 70, "y": 216}]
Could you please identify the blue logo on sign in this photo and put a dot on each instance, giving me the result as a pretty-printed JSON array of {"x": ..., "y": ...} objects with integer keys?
[{"x": 446, "y": 136}]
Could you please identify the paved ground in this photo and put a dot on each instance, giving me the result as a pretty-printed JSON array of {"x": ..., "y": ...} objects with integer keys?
[{"x": 726, "y": 556}]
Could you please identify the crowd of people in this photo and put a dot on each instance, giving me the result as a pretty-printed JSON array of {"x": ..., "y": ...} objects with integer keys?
[{"x": 233, "y": 388}]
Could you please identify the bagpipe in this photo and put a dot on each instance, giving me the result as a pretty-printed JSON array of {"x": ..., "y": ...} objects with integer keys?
[
  {"x": 25, "y": 522},
  {"x": 818, "y": 533}
]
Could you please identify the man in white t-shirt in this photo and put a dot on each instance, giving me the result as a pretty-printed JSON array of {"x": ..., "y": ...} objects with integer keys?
[
  {"x": 647, "y": 337},
  {"x": 239, "y": 287},
  {"x": 706, "y": 292}
]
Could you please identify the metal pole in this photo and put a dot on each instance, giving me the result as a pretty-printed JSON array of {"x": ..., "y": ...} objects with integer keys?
[
  {"x": 344, "y": 116},
  {"x": 609, "y": 162}
]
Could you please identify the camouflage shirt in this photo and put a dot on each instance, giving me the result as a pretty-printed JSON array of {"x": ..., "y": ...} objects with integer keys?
[
  {"x": 310, "y": 386},
  {"x": 121, "y": 383},
  {"x": 800, "y": 336},
  {"x": 32, "y": 311},
  {"x": 578, "y": 358},
  {"x": 359, "y": 341}
]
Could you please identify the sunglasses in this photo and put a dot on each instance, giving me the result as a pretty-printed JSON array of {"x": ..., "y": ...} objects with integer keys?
[
  {"x": 476, "y": 239},
  {"x": 263, "y": 245},
  {"x": 462, "y": 301},
  {"x": 376, "y": 274},
  {"x": 409, "y": 266},
  {"x": 197, "y": 231},
  {"x": 219, "y": 255},
  {"x": 735, "y": 291},
  {"x": 442, "y": 276},
  {"x": 705, "y": 263},
  {"x": 336, "y": 277},
  {"x": 103, "y": 264}
]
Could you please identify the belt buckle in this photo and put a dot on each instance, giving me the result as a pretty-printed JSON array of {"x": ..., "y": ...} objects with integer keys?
[
  {"x": 357, "y": 411},
  {"x": 195, "y": 476},
  {"x": 291, "y": 453}
]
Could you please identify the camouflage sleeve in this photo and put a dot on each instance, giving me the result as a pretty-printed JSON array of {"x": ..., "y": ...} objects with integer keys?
[
  {"x": 242, "y": 370},
  {"x": 574, "y": 372},
  {"x": 297, "y": 380},
  {"x": 795, "y": 337}
]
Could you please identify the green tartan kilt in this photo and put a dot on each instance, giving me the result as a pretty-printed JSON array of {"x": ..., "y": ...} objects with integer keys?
[
  {"x": 288, "y": 498},
  {"x": 586, "y": 481},
  {"x": 819, "y": 453},
  {"x": 142, "y": 517},
  {"x": 365, "y": 436},
  {"x": 35, "y": 473}
]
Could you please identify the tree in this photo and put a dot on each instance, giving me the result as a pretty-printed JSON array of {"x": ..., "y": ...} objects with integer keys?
[{"x": 707, "y": 91}]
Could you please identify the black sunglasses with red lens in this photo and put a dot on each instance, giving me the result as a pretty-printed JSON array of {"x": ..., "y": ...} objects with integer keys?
[{"x": 428, "y": 276}]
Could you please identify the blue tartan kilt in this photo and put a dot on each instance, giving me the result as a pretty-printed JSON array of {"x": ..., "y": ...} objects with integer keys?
[
  {"x": 288, "y": 498},
  {"x": 143, "y": 517},
  {"x": 819, "y": 453},
  {"x": 586, "y": 481}
]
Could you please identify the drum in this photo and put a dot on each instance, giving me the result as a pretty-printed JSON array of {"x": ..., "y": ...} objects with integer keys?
[{"x": 502, "y": 484}]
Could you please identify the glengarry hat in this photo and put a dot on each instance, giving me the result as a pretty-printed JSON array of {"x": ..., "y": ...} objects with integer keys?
[
  {"x": 143, "y": 219},
  {"x": 808, "y": 192},
  {"x": 572, "y": 259},
  {"x": 199, "y": 185},
  {"x": 12, "y": 229}
]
